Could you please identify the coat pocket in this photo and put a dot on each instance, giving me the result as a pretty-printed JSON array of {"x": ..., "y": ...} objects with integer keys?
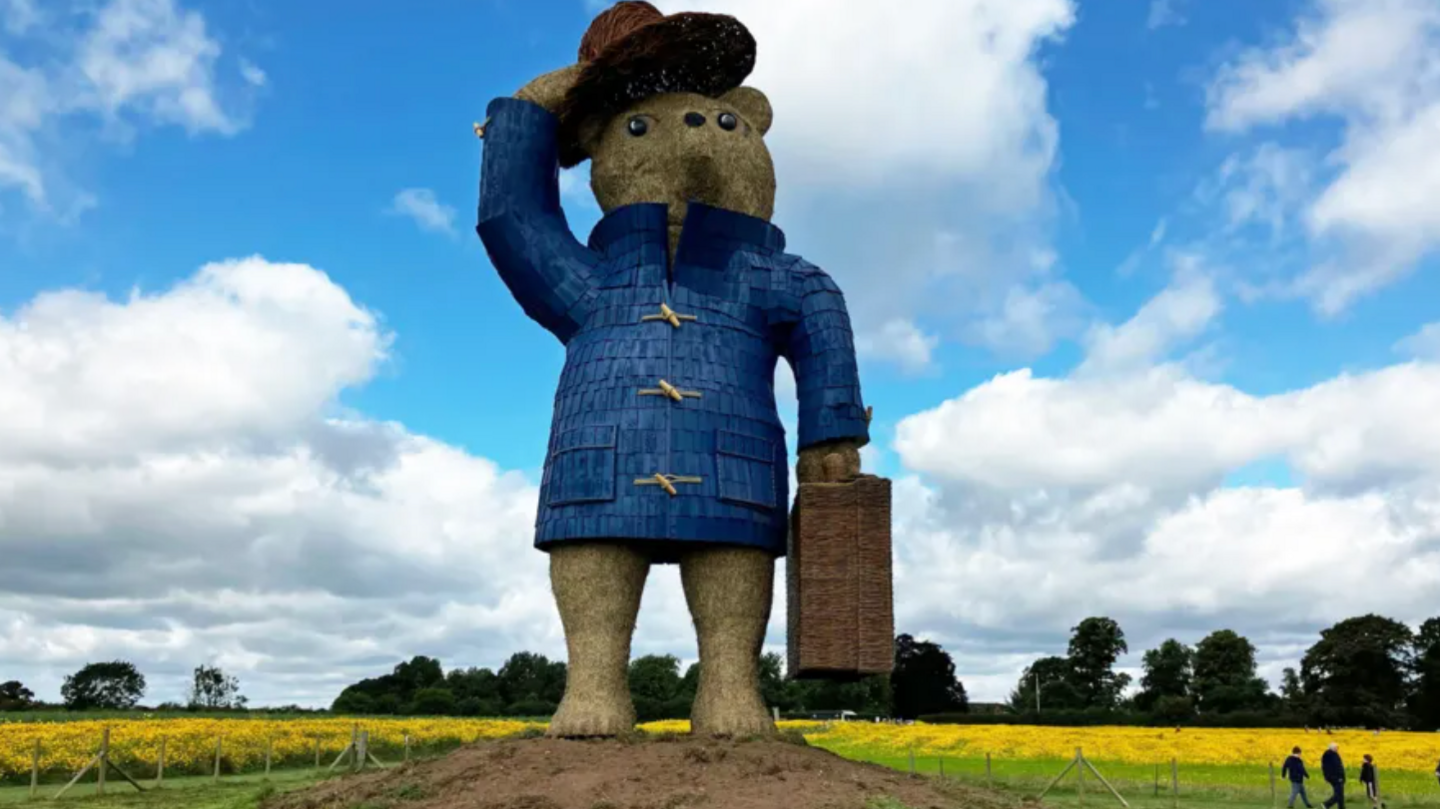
[
  {"x": 745, "y": 469},
  {"x": 582, "y": 466}
]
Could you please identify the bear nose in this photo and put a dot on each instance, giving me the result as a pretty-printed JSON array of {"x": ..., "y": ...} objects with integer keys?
[{"x": 694, "y": 119}]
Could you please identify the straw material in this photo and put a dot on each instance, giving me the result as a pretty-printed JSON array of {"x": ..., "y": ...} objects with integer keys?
[
  {"x": 597, "y": 587},
  {"x": 839, "y": 589},
  {"x": 729, "y": 592}
]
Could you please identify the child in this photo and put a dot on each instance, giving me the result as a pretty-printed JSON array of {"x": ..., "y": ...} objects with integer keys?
[
  {"x": 1294, "y": 769},
  {"x": 1367, "y": 777}
]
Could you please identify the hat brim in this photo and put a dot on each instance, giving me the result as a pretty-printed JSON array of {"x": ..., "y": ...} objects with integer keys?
[{"x": 692, "y": 52}]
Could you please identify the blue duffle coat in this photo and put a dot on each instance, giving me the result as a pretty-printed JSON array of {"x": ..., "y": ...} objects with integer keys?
[{"x": 665, "y": 430}]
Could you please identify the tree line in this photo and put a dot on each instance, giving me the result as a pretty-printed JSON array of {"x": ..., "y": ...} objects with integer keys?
[
  {"x": 531, "y": 685},
  {"x": 1366, "y": 671},
  {"x": 117, "y": 685}
]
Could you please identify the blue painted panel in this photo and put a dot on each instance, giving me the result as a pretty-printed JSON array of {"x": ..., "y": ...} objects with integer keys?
[
  {"x": 583, "y": 466},
  {"x": 745, "y": 466}
]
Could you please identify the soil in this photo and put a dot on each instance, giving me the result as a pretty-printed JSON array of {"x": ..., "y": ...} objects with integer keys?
[{"x": 664, "y": 773}]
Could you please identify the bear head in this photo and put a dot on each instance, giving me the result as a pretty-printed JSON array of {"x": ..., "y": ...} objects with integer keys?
[{"x": 673, "y": 148}]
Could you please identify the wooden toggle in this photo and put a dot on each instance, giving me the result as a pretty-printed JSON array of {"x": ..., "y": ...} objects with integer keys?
[
  {"x": 667, "y": 389},
  {"x": 667, "y": 482},
  {"x": 669, "y": 316}
]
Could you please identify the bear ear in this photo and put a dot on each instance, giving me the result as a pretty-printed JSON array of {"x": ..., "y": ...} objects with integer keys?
[
  {"x": 752, "y": 105},
  {"x": 591, "y": 130}
]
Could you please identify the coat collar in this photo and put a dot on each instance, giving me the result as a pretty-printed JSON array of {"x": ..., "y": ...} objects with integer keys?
[{"x": 709, "y": 235}]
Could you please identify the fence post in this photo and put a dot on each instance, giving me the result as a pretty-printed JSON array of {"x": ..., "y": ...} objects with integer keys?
[
  {"x": 219, "y": 747},
  {"x": 1157, "y": 780},
  {"x": 987, "y": 770},
  {"x": 160, "y": 766},
  {"x": 317, "y": 753},
  {"x": 912, "y": 761},
  {"x": 1079, "y": 777},
  {"x": 942, "y": 767},
  {"x": 1272, "y": 783},
  {"x": 1175, "y": 782},
  {"x": 269, "y": 746},
  {"x": 354, "y": 746},
  {"x": 35, "y": 768},
  {"x": 104, "y": 757},
  {"x": 407, "y": 747}
]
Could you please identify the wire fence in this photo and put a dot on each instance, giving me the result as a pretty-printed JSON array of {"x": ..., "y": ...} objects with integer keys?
[{"x": 1172, "y": 782}]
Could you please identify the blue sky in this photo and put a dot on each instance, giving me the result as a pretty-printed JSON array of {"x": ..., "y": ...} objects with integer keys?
[{"x": 1141, "y": 291}]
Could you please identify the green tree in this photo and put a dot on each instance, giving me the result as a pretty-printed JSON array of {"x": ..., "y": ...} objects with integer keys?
[
  {"x": 352, "y": 702},
  {"x": 474, "y": 683},
  {"x": 1169, "y": 669},
  {"x": 115, "y": 685},
  {"x": 417, "y": 673},
  {"x": 1292, "y": 692},
  {"x": 1053, "y": 678},
  {"x": 433, "y": 702},
  {"x": 1359, "y": 672},
  {"x": 1095, "y": 645},
  {"x": 655, "y": 677},
  {"x": 531, "y": 680},
  {"x": 1425, "y": 701},
  {"x": 655, "y": 686},
  {"x": 923, "y": 680},
  {"x": 1225, "y": 679},
  {"x": 213, "y": 689},
  {"x": 14, "y": 696}
]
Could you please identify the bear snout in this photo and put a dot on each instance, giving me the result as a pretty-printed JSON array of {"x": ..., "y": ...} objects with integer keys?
[{"x": 693, "y": 119}]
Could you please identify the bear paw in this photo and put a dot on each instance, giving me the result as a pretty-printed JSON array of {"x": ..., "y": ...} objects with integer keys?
[
  {"x": 732, "y": 715},
  {"x": 588, "y": 716}
]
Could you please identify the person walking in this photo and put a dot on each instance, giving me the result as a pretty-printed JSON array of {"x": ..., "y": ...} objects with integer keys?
[
  {"x": 1294, "y": 769},
  {"x": 1332, "y": 769},
  {"x": 1372, "y": 785}
]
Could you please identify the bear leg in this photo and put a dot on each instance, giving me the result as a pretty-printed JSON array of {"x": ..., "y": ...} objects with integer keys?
[
  {"x": 597, "y": 588},
  {"x": 729, "y": 591}
]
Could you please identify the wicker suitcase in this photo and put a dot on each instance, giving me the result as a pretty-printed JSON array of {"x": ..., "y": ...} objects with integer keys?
[{"x": 839, "y": 598}]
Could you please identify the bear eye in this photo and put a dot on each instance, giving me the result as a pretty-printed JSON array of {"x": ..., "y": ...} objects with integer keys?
[
  {"x": 637, "y": 126},
  {"x": 727, "y": 121}
]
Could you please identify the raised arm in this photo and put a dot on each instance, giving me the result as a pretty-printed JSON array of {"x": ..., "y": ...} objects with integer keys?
[
  {"x": 820, "y": 347},
  {"x": 520, "y": 220}
]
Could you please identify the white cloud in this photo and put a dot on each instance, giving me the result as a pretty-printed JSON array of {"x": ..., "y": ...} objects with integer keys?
[
  {"x": 1266, "y": 186},
  {"x": 822, "y": 64},
  {"x": 1039, "y": 500},
  {"x": 922, "y": 211},
  {"x": 178, "y": 486},
  {"x": 1423, "y": 344},
  {"x": 1177, "y": 315},
  {"x": 1031, "y": 319},
  {"x": 429, "y": 213},
  {"x": 252, "y": 74},
  {"x": 1163, "y": 13},
  {"x": 128, "y": 63},
  {"x": 151, "y": 56},
  {"x": 1374, "y": 65},
  {"x": 19, "y": 15},
  {"x": 900, "y": 341}
]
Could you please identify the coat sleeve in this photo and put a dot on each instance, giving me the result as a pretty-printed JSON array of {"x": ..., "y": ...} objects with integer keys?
[
  {"x": 816, "y": 340},
  {"x": 521, "y": 223}
]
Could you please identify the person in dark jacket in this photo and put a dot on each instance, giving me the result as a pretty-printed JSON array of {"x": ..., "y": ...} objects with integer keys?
[
  {"x": 1333, "y": 771},
  {"x": 1294, "y": 769},
  {"x": 1372, "y": 785}
]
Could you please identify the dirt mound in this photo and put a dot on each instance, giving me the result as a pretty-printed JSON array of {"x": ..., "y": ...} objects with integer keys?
[{"x": 650, "y": 774}]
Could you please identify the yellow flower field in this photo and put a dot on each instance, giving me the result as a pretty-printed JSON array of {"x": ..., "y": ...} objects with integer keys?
[
  {"x": 1393, "y": 750},
  {"x": 190, "y": 742}
]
